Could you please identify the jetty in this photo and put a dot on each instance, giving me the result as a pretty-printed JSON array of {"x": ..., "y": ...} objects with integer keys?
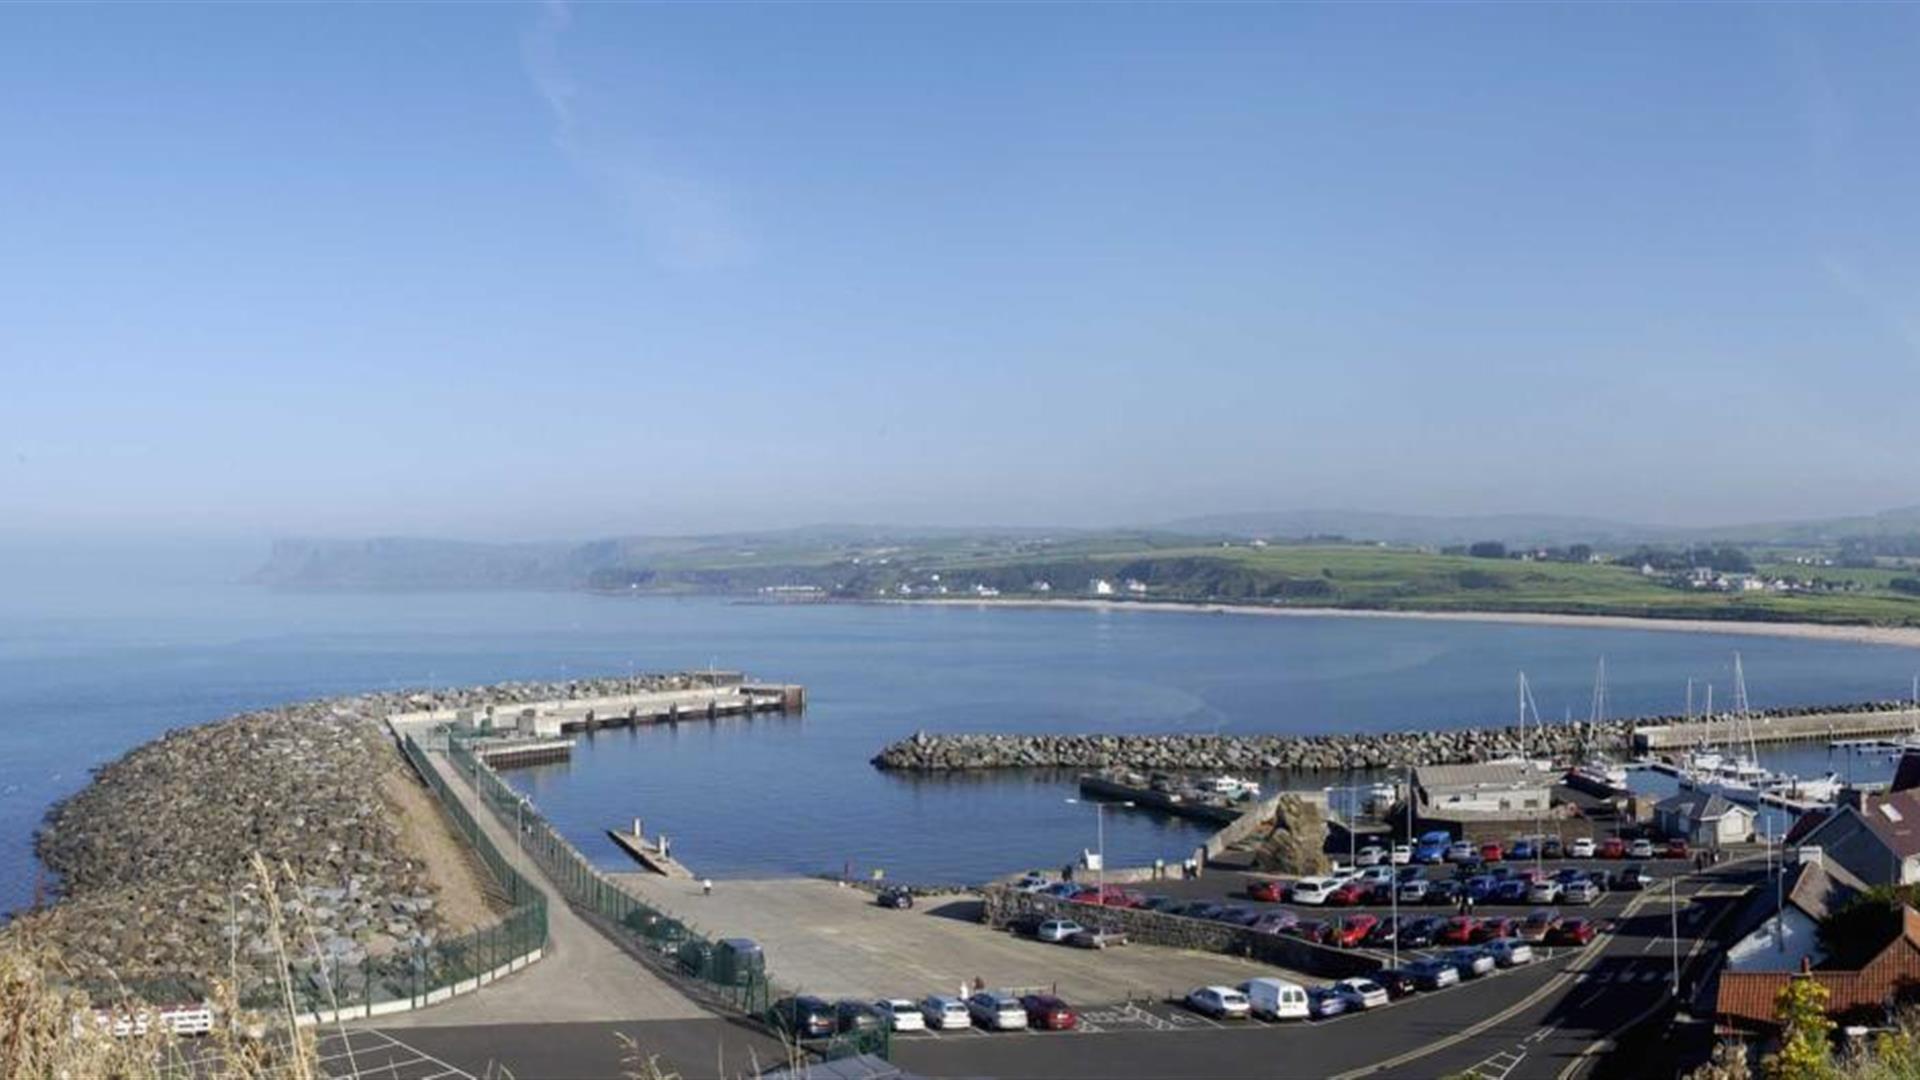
[
  {"x": 652, "y": 854},
  {"x": 1852, "y": 724},
  {"x": 1144, "y": 794},
  {"x": 551, "y": 719},
  {"x": 508, "y": 752}
]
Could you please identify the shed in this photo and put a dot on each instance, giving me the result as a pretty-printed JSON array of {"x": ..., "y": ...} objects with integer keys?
[{"x": 1703, "y": 819}]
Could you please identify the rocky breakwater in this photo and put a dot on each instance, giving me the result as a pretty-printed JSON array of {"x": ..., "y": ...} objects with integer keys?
[
  {"x": 155, "y": 857},
  {"x": 1243, "y": 753},
  {"x": 1566, "y": 742}
]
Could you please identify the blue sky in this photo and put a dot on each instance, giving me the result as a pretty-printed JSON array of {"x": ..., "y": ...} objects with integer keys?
[{"x": 524, "y": 271}]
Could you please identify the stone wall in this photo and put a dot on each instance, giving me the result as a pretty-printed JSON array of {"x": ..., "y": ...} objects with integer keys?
[{"x": 1003, "y": 905}]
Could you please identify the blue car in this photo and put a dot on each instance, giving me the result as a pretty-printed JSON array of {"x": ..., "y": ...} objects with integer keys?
[
  {"x": 1432, "y": 848},
  {"x": 1511, "y": 891},
  {"x": 1480, "y": 888},
  {"x": 1323, "y": 1002},
  {"x": 1521, "y": 849}
]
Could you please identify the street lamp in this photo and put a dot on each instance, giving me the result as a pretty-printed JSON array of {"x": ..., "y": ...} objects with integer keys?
[{"x": 1100, "y": 837}]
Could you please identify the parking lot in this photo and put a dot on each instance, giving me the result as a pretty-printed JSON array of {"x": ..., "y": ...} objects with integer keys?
[{"x": 820, "y": 938}]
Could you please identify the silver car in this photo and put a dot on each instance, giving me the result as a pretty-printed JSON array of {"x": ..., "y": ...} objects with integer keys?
[{"x": 997, "y": 1012}]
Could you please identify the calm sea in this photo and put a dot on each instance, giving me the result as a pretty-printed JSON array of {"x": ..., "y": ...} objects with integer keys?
[{"x": 87, "y": 675}]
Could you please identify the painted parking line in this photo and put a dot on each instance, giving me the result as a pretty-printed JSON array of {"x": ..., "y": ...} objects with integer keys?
[{"x": 368, "y": 1054}]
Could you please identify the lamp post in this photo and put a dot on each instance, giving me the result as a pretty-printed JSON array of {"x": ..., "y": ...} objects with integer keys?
[
  {"x": 1100, "y": 839},
  {"x": 1673, "y": 908}
]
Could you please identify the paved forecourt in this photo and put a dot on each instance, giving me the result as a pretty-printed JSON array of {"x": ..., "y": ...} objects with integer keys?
[{"x": 825, "y": 939}]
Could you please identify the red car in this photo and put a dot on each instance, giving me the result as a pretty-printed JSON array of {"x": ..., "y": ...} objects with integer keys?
[
  {"x": 1613, "y": 848},
  {"x": 1271, "y": 891},
  {"x": 1459, "y": 930},
  {"x": 1349, "y": 932},
  {"x": 1677, "y": 849},
  {"x": 1492, "y": 929},
  {"x": 1572, "y": 932},
  {"x": 1490, "y": 851},
  {"x": 1048, "y": 1012},
  {"x": 1114, "y": 896},
  {"x": 1347, "y": 895}
]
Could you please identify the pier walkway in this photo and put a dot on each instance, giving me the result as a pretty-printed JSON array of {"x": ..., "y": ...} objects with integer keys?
[
  {"x": 1812, "y": 727},
  {"x": 582, "y": 977}
]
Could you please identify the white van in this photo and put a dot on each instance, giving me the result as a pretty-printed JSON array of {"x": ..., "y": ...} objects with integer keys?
[
  {"x": 1312, "y": 890},
  {"x": 1276, "y": 999}
]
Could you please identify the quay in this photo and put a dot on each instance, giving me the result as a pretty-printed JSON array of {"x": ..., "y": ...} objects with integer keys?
[
  {"x": 1111, "y": 790},
  {"x": 1811, "y": 727},
  {"x": 652, "y": 854},
  {"x": 505, "y": 753},
  {"x": 550, "y": 719}
]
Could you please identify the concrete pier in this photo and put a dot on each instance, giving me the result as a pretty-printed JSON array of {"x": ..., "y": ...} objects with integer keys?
[
  {"x": 654, "y": 854},
  {"x": 1107, "y": 788},
  {"x": 1811, "y": 727}
]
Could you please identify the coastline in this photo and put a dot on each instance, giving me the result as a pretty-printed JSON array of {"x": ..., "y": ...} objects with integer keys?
[{"x": 1907, "y": 637}]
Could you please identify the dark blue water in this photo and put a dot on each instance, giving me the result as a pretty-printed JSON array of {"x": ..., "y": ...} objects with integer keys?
[{"x": 87, "y": 675}]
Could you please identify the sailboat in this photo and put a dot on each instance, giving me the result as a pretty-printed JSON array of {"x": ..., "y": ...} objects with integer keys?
[
  {"x": 1738, "y": 775},
  {"x": 1597, "y": 775}
]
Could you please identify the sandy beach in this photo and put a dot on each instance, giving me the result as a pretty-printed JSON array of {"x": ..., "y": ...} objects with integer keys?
[{"x": 1902, "y": 636}]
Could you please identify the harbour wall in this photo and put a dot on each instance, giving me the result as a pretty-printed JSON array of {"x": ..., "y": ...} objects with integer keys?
[{"x": 929, "y": 753}]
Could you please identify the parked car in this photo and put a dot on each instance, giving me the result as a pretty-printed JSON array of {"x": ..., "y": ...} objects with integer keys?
[
  {"x": 1371, "y": 855},
  {"x": 1581, "y": 848},
  {"x": 1400, "y": 854},
  {"x": 1613, "y": 848},
  {"x": 1497, "y": 927},
  {"x": 1522, "y": 848},
  {"x": 1199, "y": 909},
  {"x": 1573, "y": 932},
  {"x": 1110, "y": 896},
  {"x": 1545, "y": 891},
  {"x": 1386, "y": 932},
  {"x": 894, "y": 897},
  {"x": 1421, "y": 932},
  {"x": 1490, "y": 851},
  {"x": 853, "y": 1015},
  {"x": 1235, "y": 914},
  {"x": 806, "y": 1017},
  {"x": 1539, "y": 923},
  {"x": 1219, "y": 1002},
  {"x": 1361, "y": 992},
  {"x": 902, "y": 1015},
  {"x": 1312, "y": 891},
  {"x": 1470, "y": 962},
  {"x": 1048, "y": 1013},
  {"x": 1162, "y": 903},
  {"x": 1512, "y": 890},
  {"x": 1481, "y": 888},
  {"x": 1395, "y": 982},
  {"x": 997, "y": 1012},
  {"x": 1583, "y": 891},
  {"x": 1461, "y": 851},
  {"x": 946, "y": 1013},
  {"x": 1432, "y": 847},
  {"x": 1429, "y": 973},
  {"x": 1408, "y": 873},
  {"x": 1377, "y": 875},
  {"x": 1062, "y": 889},
  {"x": 1274, "y": 922},
  {"x": 1458, "y": 930},
  {"x": 1096, "y": 938},
  {"x": 1414, "y": 892},
  {"x": 1510, "y": 951},
  {"x": 1275, "y": 999},
  {"x": 1348, "y": 893},
  {"x": 1677, "y": 848},
  {"x": 1633, "y": 879},
  {"x": 1031, "y": 883},
  {"x": 1314, "y": 930},
  {"x": 1057, "y": 931},
  {"x": 1272, "y": 892},
  {"x": 1641, "y": 848},
  {"x": 1350, "y": 931},
  {"x": 1552, "y": 848},
  {"x": 1445, "y": 893},
  {"x": 1323, "y": 1002}
]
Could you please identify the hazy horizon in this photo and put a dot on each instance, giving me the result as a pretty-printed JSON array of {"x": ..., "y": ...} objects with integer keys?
[{"x": 540, "y": 272}]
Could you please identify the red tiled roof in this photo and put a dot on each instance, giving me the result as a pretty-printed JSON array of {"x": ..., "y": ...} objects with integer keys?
[
  {"x": 1901, "y": 829},
  {"x": 1746, "y": 998}
]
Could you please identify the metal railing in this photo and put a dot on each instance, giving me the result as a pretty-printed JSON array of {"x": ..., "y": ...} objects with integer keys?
[{"x": 712, "y": 970}]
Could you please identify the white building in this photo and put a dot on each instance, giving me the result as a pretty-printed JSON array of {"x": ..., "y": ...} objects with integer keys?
[
  {"x": 1703, "y": 820},
  {"x": 1784, "y": 939},
  {"x": 1100, "y": 587},
  {"x": 1493, "y": 789},
  {"x": 1137, "y": 588}
]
